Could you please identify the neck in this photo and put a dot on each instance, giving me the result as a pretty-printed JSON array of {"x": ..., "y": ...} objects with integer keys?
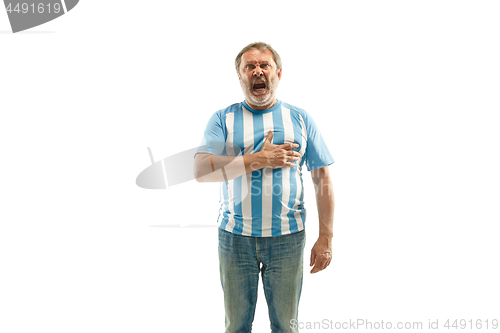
[{"x": 264, "y": 107}]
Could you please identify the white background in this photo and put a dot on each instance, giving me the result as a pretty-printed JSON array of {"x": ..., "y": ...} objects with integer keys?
[{"x": 404, "y": 92}]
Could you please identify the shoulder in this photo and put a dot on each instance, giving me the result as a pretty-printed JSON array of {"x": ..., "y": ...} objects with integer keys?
[
  {"x": 230, "y": 109},
  {"x": 220, "y": 115},
  {"x": 298, "y": 111}
]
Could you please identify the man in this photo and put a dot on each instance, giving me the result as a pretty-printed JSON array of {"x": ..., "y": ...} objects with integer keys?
[{"x": 256, "y": 149}]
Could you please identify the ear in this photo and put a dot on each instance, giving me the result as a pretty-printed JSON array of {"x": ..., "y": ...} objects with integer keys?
[{"x": 279, "y": 73}]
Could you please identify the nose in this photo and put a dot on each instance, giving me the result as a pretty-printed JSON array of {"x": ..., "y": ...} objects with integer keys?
[{"x": 258, "y": 72}]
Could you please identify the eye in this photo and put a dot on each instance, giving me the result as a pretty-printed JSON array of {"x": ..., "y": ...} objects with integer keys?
[
  {"x": 265, "y": 65},
  {"x": 250, "y": 66}
]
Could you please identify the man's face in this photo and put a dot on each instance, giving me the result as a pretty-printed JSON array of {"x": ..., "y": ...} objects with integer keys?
[{"x": 258, "y": 78}]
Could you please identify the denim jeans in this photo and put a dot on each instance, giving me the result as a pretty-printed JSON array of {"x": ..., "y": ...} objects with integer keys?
[{"x": 280, "y": 261}]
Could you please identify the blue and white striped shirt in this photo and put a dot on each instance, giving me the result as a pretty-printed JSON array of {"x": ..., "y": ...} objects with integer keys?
[{"x": 267, "y": 202}]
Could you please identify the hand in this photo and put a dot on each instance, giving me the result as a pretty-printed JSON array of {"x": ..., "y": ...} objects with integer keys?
[
  {"x": 321, "y": 254},
  {"x": 279, "y": 156}
]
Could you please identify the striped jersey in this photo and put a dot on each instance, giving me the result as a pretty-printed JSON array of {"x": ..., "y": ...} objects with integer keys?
[{"x": 266, "y": 202}]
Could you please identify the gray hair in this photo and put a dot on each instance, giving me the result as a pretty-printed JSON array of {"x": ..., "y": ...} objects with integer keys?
[{"x": 258, "y": 46}]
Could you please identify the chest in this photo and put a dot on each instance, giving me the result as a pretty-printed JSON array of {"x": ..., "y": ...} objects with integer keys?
[{"x": 246, "y": 131}]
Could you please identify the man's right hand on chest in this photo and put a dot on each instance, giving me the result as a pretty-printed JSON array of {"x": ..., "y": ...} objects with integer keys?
[
  {"x": 216, "y": 168},
  {"x": 278, "y": 156}
]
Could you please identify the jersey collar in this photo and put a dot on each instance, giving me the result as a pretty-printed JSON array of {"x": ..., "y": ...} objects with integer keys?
[{"x": 275, "y": 107}]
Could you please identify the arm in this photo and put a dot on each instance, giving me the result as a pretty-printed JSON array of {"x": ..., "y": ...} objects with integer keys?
[
  {"x": 216, "y": 168},
  {"x": 321, "y": 253}
]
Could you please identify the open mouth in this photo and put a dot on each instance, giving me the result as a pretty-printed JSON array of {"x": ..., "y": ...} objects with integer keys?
[{"x": 259, "y": 86}]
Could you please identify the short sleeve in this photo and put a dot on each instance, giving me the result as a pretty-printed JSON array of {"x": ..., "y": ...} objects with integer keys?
[
  {"x": 214, "y": 136},
  {"x": 317, "y": 154}
]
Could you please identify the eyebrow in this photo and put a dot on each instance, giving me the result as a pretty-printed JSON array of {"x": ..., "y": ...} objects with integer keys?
[{"x": 253, "y": 62}]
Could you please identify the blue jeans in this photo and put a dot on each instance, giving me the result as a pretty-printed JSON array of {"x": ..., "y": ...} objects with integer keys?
[{"x": 280, "y": 261}]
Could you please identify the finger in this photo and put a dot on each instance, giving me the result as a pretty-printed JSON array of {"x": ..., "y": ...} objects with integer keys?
[
  {"x": 327, "y": 262},
  {"x": 313, "y": 258},
  {"x": 288, "y": 146},
  {"x": 324, "y": 264},
  {"x": 318, "y": 266},
  {"x": 292, "y": 153}
]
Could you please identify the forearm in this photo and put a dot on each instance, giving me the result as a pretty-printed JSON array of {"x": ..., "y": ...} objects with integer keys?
[
  {"x": 217, "y": 168},
  {"x": 326, "y": 205}
]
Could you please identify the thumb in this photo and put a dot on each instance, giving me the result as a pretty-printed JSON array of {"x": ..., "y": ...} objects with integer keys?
[{"x": 269, "y": 137}]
